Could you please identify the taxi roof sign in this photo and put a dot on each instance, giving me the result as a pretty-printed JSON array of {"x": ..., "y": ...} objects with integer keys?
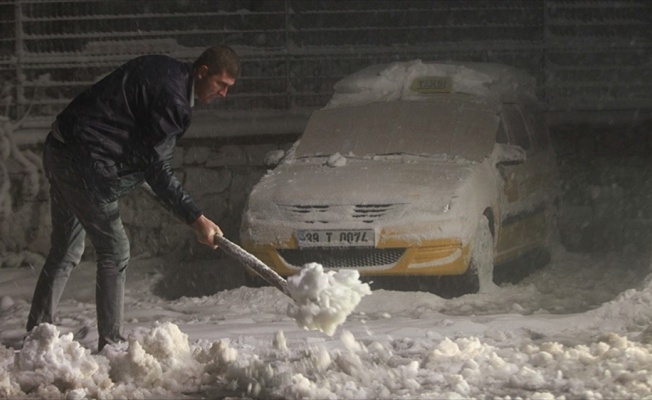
[
  {"x": 432, "y": 84},
  {"x": 415, "y": 80}
]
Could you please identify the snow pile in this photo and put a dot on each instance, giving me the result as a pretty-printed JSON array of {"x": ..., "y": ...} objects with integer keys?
[
  {"x": 466, "y": 364},
  {"x": 160, "y": 357},
  {"x": 324, "y": 300},
  {"x": 55, "y": 367},
  {"x": 630, "y": 310},
  {"x": 155, "y": 363},
  {"x": 49, "y": 365},
  {"x": 336, "y": 160},
  {"x": 471, "y": 368}
]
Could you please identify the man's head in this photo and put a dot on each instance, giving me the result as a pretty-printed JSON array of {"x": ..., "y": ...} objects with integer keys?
[{"x": 215, "y": 71}]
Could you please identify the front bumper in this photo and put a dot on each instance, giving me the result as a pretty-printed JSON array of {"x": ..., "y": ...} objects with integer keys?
[{"x": 436, "y": 257}]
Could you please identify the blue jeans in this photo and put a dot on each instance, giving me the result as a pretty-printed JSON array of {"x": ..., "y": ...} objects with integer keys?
[{"x": 75, "y": 212}]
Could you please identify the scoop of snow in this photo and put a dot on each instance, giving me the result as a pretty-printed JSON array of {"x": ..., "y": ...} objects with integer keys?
[{"x": 323, "y": 300}]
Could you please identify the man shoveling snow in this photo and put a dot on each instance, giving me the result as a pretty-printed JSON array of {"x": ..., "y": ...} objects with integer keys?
[{"x": 112, "y": 138}]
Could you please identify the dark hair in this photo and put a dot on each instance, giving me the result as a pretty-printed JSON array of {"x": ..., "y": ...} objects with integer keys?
[{"x": 219, "y": 59}]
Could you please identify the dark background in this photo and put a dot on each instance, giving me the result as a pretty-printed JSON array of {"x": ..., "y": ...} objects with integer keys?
[{"x": 592, "y": 61}]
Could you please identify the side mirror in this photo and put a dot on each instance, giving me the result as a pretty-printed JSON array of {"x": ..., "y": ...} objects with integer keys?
[
  {"x": 508, "y": 154},
  {"x": 274, "y": 157}
]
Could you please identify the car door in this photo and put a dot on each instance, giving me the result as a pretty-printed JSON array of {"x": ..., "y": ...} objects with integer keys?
[{"x": 524, "y": 197}]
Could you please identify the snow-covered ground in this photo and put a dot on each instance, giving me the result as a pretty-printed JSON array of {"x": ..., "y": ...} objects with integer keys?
[{"x": 575, "y": 329}]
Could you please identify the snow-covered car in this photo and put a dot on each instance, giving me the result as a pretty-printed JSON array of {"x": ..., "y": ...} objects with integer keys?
[{"x": 412, "y": 169}]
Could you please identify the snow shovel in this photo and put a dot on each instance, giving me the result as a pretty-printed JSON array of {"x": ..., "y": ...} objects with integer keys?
[{"x": 249, "y": 260}]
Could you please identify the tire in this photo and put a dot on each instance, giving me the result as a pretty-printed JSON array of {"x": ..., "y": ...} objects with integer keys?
[{"x": 553, "y": 237}]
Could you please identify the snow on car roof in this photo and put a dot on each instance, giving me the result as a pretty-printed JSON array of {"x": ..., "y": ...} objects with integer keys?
[
  {"x": 414, "y": 80},
  {"x": 447, "y": 126}
]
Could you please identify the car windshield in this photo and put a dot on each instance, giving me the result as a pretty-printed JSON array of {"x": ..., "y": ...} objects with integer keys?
[{"x": 445, "y": 126}]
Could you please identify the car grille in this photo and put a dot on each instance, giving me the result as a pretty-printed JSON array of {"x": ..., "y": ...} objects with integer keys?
[
  {"x": 366, "y": 213},
  {"x": 342, "y": 258}
]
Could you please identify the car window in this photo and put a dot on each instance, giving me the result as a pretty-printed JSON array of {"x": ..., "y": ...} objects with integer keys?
[
  {"x": 450, "y": 127},
  {"x": 501, "y": 135},
  {"x": 517, "y": 128},
  {"x": 538, "y": 127}
]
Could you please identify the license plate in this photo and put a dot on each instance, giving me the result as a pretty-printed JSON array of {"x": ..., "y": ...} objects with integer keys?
[{"x": 336, "y": 238}]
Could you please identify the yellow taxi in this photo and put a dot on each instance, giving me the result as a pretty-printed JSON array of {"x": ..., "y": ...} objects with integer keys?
[{"x": 413, "y": 169}]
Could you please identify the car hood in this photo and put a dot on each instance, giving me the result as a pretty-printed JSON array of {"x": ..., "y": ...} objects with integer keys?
[{"x": 418, "y": 185}]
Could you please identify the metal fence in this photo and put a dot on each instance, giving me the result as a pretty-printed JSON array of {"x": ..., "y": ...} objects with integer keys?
[{"x": 587, "y": 55}]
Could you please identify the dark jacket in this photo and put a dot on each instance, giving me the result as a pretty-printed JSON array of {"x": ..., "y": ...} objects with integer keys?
[{"x": 124, "y": 129}]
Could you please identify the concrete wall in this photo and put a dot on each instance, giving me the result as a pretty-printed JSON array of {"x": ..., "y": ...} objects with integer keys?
[
  {"x": 219, "y": 174},
  {"x": 606, "y": 181}
]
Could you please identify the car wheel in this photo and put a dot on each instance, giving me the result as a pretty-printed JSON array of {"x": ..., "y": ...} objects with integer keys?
[{"x": 553, "y": 237}]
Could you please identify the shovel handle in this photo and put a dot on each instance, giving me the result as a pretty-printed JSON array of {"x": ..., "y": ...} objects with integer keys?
[{"x": 249, "y": 260}]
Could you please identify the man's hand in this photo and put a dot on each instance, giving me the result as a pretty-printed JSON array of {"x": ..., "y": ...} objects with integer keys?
[{"x": 205, "y": 230}]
